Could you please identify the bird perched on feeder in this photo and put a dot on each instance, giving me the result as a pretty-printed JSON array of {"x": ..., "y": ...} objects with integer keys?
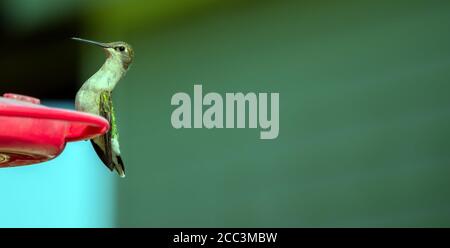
[{"x": 95, "y": 97}]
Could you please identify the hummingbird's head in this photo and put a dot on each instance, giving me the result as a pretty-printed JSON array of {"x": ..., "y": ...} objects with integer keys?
[{"x": 119, "y": 50}]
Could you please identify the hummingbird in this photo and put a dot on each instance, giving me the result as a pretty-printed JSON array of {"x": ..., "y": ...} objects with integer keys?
[{"x": 95, "y": 97}]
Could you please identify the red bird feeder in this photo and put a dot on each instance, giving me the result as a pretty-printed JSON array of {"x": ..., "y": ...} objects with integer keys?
[{"x": 31, "y": 133}]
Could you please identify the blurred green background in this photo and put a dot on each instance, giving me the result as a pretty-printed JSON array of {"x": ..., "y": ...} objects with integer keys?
[{"x": 364, "y": 107}]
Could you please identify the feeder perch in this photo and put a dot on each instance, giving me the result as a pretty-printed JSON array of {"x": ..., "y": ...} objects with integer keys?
[{"x": 31, "y": 133}]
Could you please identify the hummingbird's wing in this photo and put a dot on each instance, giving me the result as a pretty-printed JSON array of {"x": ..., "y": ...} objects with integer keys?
[
  {"x": 107, "y": 145},
  {"x": 102, "y": 145}
]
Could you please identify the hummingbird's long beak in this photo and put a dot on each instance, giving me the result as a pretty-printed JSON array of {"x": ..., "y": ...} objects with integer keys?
[{"x": 100, "y": 44}]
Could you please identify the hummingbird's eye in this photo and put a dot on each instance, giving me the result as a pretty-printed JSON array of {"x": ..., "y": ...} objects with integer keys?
[{"x": 120, "y": 48}]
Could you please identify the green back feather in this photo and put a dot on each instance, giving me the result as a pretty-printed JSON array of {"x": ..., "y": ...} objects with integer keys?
[{"x": 107, "y": 107}]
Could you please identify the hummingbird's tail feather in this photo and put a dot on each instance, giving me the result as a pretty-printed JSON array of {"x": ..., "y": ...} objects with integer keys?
[
  {"x": 119, "y": 166},
  {"x": 114, "y": 163},
  {"x": 102, "y": 155}
]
